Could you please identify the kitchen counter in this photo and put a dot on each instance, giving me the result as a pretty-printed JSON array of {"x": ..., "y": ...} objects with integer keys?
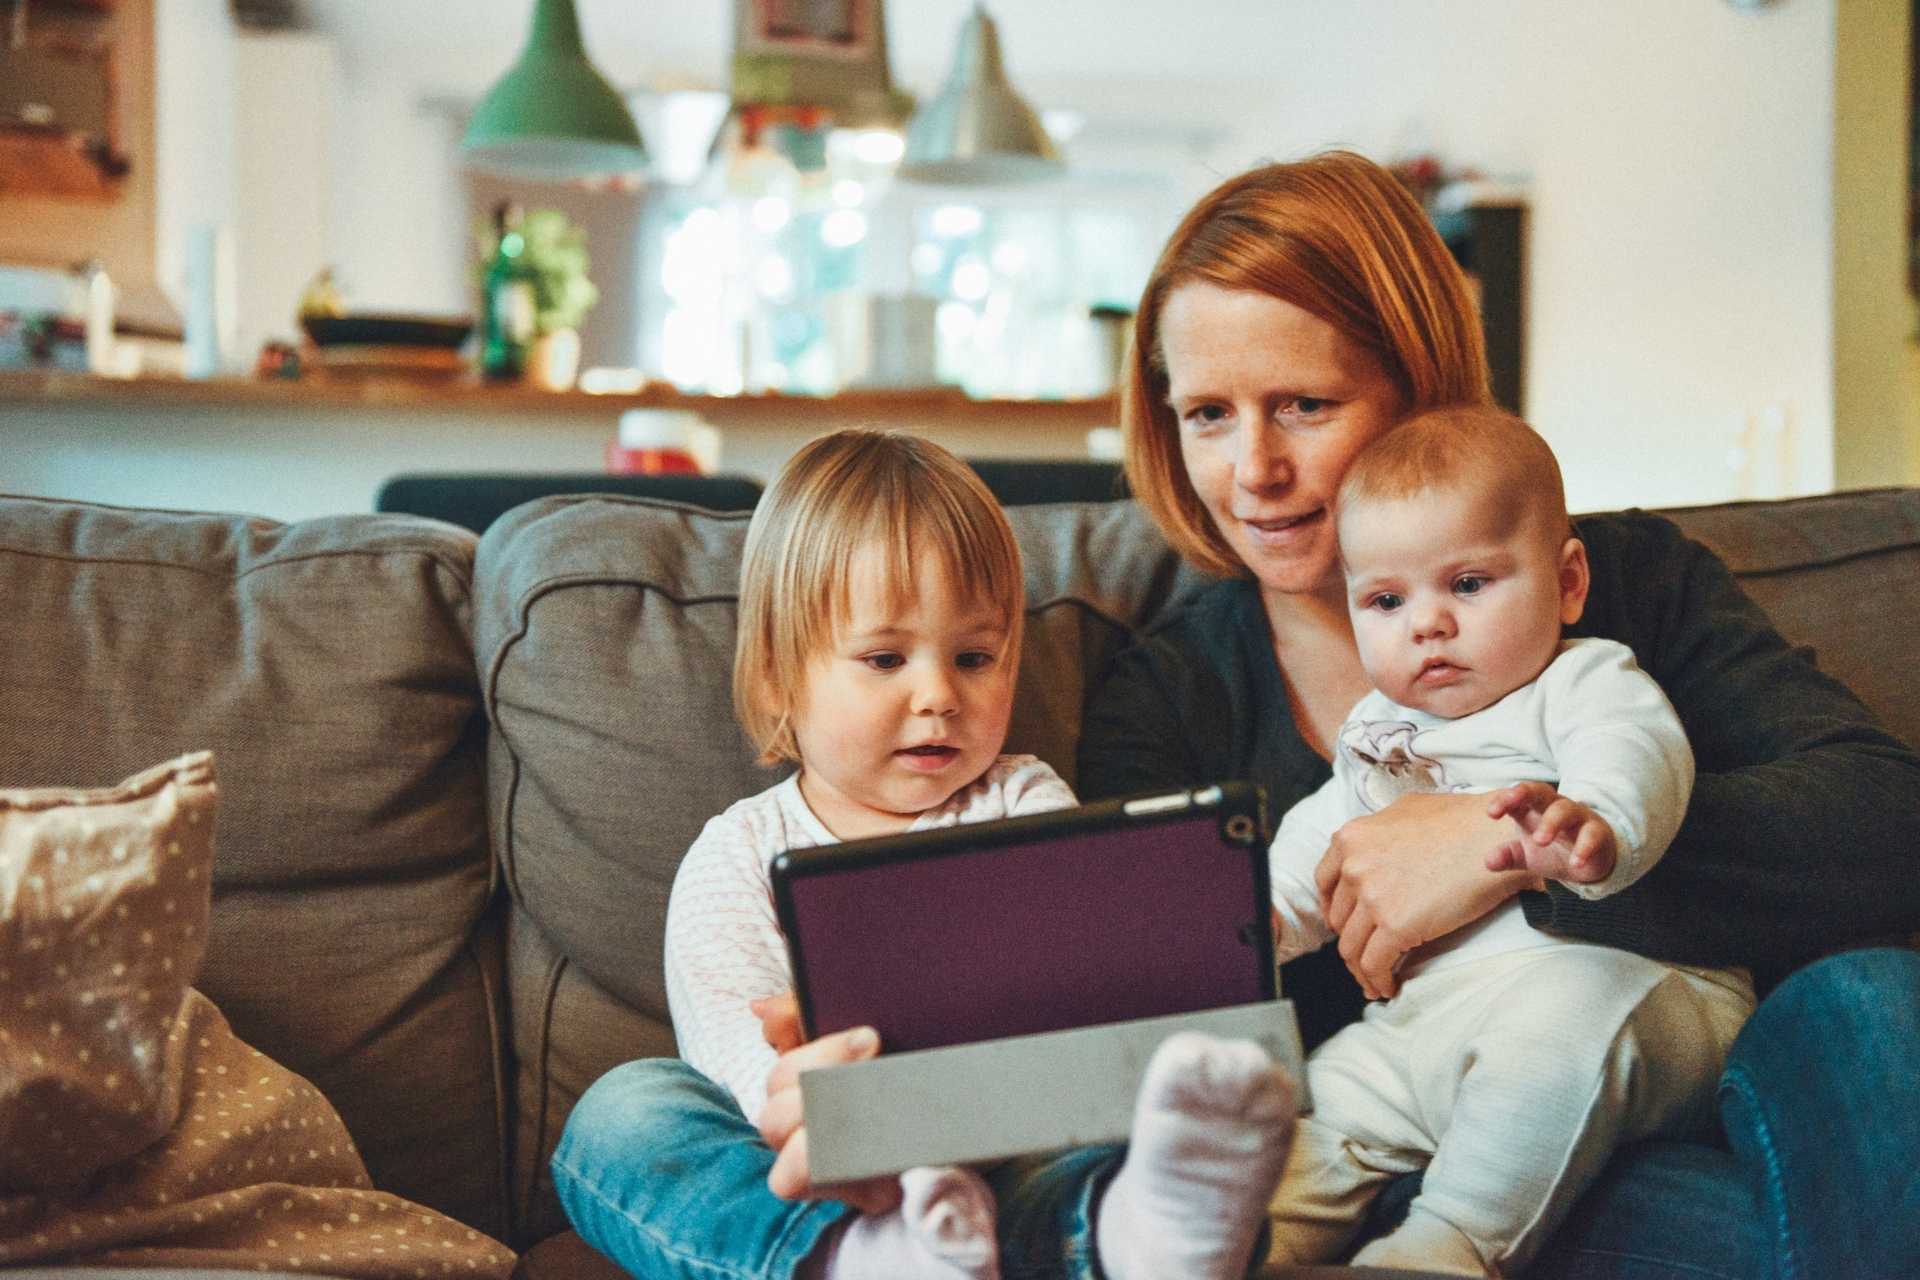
[{"x": 290, "y": 449}]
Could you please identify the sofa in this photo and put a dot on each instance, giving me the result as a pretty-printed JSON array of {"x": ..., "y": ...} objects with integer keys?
[{"x": 456, "y": 775}]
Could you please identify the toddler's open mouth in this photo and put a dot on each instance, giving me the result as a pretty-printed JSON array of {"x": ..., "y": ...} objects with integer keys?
[{"x": 929, "y": 755}]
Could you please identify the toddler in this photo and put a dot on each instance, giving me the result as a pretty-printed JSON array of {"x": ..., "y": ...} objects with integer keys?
[
  {"x": 1510, "y": 1062},
  {"x": 879, "y": 636}
]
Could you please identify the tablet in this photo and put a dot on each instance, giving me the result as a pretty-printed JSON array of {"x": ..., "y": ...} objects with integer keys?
[{"x": 1123, "y": 909}]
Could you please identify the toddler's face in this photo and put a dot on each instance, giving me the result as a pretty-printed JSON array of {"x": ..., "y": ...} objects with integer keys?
[
  {"x": 907, "y": 706},
  {"x": 1455, "y": 603}
]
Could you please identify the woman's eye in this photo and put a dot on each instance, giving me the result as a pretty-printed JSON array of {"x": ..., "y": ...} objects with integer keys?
[
  {"x": 884, "y": 661},
  {"x": 1307, "y": 406},
  {"x": 1202, "y": 416},
  {"x": 1469, "y": 585},
  {"x": 1386, "y": 602},
  {"x": 974, "y": 660}
]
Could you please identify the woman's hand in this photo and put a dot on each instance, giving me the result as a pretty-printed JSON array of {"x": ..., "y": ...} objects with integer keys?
[
  {"x": 1408, "y": 874},
  {"x": 781, "y": 1122}
]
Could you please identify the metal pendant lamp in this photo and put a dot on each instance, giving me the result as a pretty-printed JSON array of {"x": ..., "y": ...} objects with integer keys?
[
  {"x": 553, "y": 117},
  {"x": 977, "y": 129}
]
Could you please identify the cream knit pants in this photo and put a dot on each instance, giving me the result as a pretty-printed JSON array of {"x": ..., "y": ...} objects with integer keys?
[{"x": 1509, "y": 1079}]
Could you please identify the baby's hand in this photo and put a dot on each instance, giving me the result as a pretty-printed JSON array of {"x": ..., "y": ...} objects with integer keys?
[{"x": 1564, "y": 839}]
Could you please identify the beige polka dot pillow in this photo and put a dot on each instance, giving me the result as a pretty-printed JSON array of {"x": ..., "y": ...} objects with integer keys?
[
  {"x": 103, "y": 915},
  {"x": 136, "y": 1130}
]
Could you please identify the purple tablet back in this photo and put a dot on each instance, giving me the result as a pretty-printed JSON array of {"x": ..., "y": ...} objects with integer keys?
[{"x": 1065, "y": 930}]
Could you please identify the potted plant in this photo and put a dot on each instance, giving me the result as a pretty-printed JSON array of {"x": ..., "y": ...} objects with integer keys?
[{"x": 551, "y": 258}]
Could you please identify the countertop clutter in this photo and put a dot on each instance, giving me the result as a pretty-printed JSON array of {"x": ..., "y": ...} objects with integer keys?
[{"x": 474, "y": 395}]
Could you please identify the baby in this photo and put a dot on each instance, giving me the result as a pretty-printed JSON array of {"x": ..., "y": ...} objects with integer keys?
[
  {"x": 1511, "y": 1061},
  {"x": 881, "y": 604}
]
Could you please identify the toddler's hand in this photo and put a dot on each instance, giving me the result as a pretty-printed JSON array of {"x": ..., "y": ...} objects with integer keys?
[
  {"x": 779, "y": 1020},
  {"x": 1564, "y": 840},
  {"x": 782, "y": 1123}
]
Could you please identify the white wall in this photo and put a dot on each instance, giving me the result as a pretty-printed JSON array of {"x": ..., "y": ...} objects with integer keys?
[
  {"x": 284, "y": 104},
  {"x": 193, "y": 134},
  {"x": 1679, "y": 155}
]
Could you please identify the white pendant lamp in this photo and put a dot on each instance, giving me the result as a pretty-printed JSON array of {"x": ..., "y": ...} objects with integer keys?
[{"x": 977, "y": 130}]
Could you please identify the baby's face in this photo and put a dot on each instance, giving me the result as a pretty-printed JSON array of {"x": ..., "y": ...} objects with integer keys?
[{"x": 1455, "y": 601}]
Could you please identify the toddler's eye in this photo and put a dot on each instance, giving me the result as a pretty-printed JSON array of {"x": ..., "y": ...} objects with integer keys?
[
  {"x": 1386, "y": 602},
  {"x": 1469, "y": 584},
  {"x": 974, "y": 660},
  {"x": 884, "y": 661}
]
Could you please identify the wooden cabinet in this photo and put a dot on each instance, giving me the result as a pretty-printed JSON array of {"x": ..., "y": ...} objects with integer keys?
[{"x": 1487, "y": 233}]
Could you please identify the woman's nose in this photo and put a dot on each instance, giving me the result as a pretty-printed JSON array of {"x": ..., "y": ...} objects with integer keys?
[{"x": 1260, "y": 460}]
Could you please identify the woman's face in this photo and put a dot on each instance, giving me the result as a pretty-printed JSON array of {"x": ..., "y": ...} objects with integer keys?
[{"x": 1273, "y": 404}]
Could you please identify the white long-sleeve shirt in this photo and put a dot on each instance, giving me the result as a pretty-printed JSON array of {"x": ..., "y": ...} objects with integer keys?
[
  {"x": 1593, "y": 725},
  {"x": 724, "y": 947}
]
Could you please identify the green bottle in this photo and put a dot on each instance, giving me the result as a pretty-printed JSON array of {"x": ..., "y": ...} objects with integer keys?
[{"x": 507, "y": 300}]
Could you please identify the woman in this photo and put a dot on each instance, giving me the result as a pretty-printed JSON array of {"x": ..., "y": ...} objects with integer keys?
[{"x": 1299, "y": 311}]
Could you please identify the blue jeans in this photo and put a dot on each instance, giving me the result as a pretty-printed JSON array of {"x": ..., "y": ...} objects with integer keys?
[
  {"x": 658, "y": 1170},
  {"x": 1820, "y": 1102}
]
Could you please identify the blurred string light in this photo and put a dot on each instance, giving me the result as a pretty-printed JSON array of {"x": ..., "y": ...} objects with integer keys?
[
  {"x": 955, "y": 321},
  {"x": 954, "y": 221},
  {"x": 928, "y": 259},
  {"x": 773, "y": 278},
  {"x": 972, "y": 281},
  {"x": 843, "y": 228}
]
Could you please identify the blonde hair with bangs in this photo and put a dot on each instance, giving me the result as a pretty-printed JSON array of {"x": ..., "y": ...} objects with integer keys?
[
  {"x": 1337, "y": 236},
  {"x": 1463, "y": 448},
  {"x": 839, "y": 495}
]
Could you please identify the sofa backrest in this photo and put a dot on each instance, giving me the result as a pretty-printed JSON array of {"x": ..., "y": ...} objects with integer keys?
[
  {"x": 605, "y": 630},
  {"x": 329, "y": 666},
  {"x": 1839, "y": 573}
]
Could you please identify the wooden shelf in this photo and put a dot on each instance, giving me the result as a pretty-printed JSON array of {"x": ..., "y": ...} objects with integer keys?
[{"x": 468, "y": 396}]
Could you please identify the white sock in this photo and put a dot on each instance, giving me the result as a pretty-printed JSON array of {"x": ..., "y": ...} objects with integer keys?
[
  {"x": 1211, "y": 1129},
  {"x": 943, "y": 1230}
]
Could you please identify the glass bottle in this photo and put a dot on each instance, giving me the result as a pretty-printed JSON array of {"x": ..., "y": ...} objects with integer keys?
[{"x": 506, "y": 300}]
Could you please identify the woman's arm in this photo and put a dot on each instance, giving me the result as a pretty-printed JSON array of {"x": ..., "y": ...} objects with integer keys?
[{"x": 1803, "y": 833}]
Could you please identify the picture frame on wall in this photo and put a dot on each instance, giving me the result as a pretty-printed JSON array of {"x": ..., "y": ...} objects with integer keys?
[
  {"x": 59, "y": 101},
  {"x": 811, "y": 28}
]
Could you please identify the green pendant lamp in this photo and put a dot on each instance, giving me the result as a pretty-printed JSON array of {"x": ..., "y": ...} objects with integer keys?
[
  {"x": 553, "y": 117},
  {"x": 977, "y": 129}
]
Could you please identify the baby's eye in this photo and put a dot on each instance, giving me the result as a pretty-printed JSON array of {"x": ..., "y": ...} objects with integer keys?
[
  {"x": 974, "y": 660},
  {"x": 884, "y": 661},
  {"x": 1469, "y": 584},
  {"x": 1386, "y": 602}
]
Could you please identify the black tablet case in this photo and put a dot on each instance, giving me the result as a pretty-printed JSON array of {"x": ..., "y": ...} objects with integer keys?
[{"x": 1114, "y": 911}]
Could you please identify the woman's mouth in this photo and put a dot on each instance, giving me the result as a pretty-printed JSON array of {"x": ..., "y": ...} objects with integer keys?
[{"x": 1283, "y": 528}]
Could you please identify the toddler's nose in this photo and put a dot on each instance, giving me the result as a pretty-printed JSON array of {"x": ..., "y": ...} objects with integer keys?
[{"x": 933, "y": 695}]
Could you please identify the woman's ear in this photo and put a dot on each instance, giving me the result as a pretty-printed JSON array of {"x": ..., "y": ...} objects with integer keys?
[{"x": 1575, "y": 579}]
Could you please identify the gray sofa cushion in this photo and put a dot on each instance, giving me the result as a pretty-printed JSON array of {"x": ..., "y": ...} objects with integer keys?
[
  {"x": 328, "y": 665},
  {"x": 605, "y": 633},
  {"x": 1839, "y": 572}
]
